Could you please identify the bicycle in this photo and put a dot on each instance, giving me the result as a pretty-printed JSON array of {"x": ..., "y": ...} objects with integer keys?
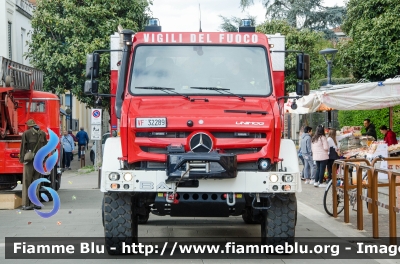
[{"x": 328, "y": 197}]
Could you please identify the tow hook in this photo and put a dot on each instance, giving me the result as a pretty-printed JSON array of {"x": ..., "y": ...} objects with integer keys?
[
  {"x": 171, "y": 198},
  {"x": 256, "y": 204},
  {"x": 230, "y": 199}
]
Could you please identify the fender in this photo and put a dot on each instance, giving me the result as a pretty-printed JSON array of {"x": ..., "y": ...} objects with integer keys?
[
  {"x": 112, "y": 150},
  {"x": 290, "y": 160}
]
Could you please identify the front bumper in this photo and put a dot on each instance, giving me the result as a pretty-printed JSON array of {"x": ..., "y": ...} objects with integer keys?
[{"x": 244, "y": 182}]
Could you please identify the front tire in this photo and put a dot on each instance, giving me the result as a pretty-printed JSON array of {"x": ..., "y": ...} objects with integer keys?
[
  {"x": 120, "y": 221},
  {"x": 279, "y": 221}
]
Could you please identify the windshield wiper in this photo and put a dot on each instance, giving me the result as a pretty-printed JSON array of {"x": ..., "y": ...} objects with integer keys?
[
  {"x": 249, "y": 112},
  {"x": 217, "y": 89},
  {"x": 164, "y": 89}
]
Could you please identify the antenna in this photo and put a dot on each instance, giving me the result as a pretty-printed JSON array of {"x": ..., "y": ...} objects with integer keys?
[{"x": 200, "y": 18}]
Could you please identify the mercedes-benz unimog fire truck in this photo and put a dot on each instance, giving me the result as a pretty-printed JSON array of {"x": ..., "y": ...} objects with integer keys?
[{"x": 200, "y": 122}]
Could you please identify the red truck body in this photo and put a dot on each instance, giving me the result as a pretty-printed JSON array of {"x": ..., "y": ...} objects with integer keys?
[{"x": 21, "y": 100}]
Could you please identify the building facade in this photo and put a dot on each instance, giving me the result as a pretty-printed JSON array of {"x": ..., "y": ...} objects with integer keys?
[
  {"x": 15, "y": 28},
  {"x": 15, "y": 34}
]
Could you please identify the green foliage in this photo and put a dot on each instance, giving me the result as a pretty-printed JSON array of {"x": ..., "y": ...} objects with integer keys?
[
  {"x": 311, "y": 42},
  {"x": 374, "y": 29},
  {"x": 309, "y": 14},
  {"x": 232, "y": 24},
  {"x": 335, "y": 81},
  {"x": 378, "y": 118},
  {"x": 64, "y": 31}
]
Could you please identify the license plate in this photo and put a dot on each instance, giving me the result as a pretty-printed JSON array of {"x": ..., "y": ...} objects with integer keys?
[{"x": 151, "y": 122}]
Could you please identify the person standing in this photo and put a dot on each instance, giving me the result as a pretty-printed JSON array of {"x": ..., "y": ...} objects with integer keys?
[
  {"x": 390, "y": 136},
  {"x": 83, "y": 140},
  {"x": 320, "y": 147},
  {"x": 68, "y": 145},
  {"x": 301, "y": 155},
  {"x": 306, "y": 152},
  {"x": 370, "y": 128},
  {"x": 72, "y": 135},
  {"x": 75, "y": 140},
  {"x": 33, "y": 139},
  {"x": 333, "y": 152}
]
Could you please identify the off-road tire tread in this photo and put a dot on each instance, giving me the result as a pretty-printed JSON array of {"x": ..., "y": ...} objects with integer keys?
[
  {"x": 120, "y": 221},
  {"x": 279, "y": 222}
]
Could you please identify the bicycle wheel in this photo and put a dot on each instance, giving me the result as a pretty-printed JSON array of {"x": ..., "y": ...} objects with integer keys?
[
  {"x": 365, "y": 191},
  {"x": 328, "y": 201}
]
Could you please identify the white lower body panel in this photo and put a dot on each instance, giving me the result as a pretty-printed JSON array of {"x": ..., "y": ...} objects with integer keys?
[{"x": 245, "y": 182}]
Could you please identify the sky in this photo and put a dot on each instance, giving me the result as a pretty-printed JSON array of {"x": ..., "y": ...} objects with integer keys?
[{"x": 183, "y": 15}]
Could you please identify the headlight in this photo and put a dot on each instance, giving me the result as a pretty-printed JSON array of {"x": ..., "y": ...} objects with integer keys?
[
  {"x": 128, "y": 176},
  {"x": 273, "y": 178},
  {"x": 114, "y": 176},
  {"x": 287, "y": 178}
]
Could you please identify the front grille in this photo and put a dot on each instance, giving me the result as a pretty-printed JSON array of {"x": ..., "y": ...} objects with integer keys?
[
  {"x": 239, "y": 134},
  {"x": 238, "y": 151},
  {"x": 163, "y": 134},
  {"x": 154, "y": 150}
]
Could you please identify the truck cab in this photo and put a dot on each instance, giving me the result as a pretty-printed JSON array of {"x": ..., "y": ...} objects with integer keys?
[{"x": 200, "y": 120}]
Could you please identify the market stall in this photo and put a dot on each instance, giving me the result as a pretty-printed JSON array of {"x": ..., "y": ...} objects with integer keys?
[{"x": 358, "y": 96}]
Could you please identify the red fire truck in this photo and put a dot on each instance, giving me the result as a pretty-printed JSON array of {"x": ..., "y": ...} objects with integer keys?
[
  {"x": 22, "y": 98},
  {"x": 200, "y": 121}
]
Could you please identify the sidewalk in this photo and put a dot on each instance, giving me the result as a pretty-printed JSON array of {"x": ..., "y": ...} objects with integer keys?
[
  {"x": 310, "y": 196},
  {"x": 313, "y": 197},
  {"x": 75, "y": 164}
]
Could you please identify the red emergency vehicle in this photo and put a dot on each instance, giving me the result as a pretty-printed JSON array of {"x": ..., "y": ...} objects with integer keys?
[
  {"x": 200, "y": 118},
  {"x": 22, "y": 98}
]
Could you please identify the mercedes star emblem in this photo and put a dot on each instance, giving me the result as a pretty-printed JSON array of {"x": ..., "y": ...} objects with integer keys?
[{"x": 201, "y": 142}]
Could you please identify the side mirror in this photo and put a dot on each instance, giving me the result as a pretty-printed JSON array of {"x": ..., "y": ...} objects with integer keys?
[
  {"x": 302, "y": 88},
  {"x": 91, "y": 87},
  {"x": 303, "y": 66},
  {"x": 92, "y": 65}
]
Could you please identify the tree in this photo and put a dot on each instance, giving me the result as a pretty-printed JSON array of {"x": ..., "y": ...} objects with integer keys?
[
  {"x": 64, "y": 31},
  {"x": 374, "y": 28},
  {"x": 310, "y": 42},
  {"x": 232, "y": 24},
  {"x": 309, "y": 14}
]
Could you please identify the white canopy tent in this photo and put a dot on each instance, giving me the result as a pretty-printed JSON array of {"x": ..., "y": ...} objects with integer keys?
[{"x": 358, "y": 96}]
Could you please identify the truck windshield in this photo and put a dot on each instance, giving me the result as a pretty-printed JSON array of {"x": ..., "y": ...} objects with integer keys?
[{"x": 243, "y": 70}]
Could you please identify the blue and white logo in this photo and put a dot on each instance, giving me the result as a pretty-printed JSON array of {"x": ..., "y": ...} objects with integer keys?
[
  {"x": 32, "y": 196},
  {"x": 38, "y": 166},
  {"x": 43, "y": 152}
]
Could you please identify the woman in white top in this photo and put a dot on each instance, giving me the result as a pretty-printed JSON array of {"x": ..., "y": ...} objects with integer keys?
[{"x": 332, "y": 142}]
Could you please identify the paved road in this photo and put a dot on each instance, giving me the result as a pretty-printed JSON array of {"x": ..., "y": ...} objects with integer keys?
[{"x": 80, "y": 216}]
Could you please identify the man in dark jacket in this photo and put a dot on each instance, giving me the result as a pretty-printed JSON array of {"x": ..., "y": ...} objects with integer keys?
[
  {"x": 370, "y": 128},
  {"x": 83, "y": 140},
  {"x": 33, "y": 139}
]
